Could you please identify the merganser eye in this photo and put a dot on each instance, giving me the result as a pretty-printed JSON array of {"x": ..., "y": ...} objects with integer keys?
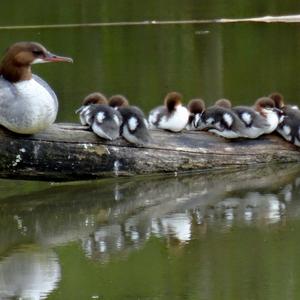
[{"x": 37, "y": 52}]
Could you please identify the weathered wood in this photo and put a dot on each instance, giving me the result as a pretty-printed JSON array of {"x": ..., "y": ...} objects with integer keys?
[{"x": 70, "y": 151}]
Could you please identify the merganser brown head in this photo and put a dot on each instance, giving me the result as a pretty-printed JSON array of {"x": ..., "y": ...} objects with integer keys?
[
  {"x": 17, "y": 61},
  {"x": 196, "y": 106},
  {"x": 172, "y": 100},
  {"x": 278, "y": 99},
  {"x": 116, "y": 101},
  {"x": 94, "y": 98},
  {"x": 225, "y": 103}
]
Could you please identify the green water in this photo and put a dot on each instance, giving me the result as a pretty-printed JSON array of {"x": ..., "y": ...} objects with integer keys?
[
  {"x": 219, "y": 235},
  {"x": 230, "y": 235}
]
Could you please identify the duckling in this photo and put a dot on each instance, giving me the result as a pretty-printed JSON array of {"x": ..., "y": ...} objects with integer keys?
[
  {"x": 196, "y": 107},
  {"x": 102, "y": 119},
  {"x": 255, "y": 124},
  {"x": 117, "y": 101},
  {"x": 289, "y": 125},
  {"x": 265, "y": 106},
  {"x": 84, "y": 111},
  {"x": 134, "y": 128},
  {"x": 221, "y": 120},
  {"x": 173, "y": 116}
]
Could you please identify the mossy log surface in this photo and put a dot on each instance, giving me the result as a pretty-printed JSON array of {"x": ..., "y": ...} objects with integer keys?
[{"x": 72, "y": 152}]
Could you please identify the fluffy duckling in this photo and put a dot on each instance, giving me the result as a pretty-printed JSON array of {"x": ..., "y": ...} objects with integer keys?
[
  {"x": 196, "y": 107},
  {"x": 289, "y": 125},
  {"x": 172, "y": 116},
  {"x": 255, "y": 123},
  {"x": 84, "y": 111},
  {"x": 221, "y": 120},
  {"x": 134, "y": 128},
  {"x": 117, "y": 101},
  {"x": 265, "y": 106},
  {"x": 102, "y": 119}
]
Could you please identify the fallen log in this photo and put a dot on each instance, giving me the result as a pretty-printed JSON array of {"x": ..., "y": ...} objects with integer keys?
[{"x": 71, "y": 152}]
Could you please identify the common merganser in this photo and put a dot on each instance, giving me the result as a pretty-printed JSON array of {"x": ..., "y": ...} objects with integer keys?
[
  {"x": 27, "y": 103},
  {"x": 117, "y": 101},
  {"x": 223, "y": 121},
  {"x": 255, "y": 123},
  {"x": 134, "y": 128},
  {"x": 289, "y": 125},
  {"x": 172, "y": 116},
  {"x": 265, "y": 106},
  {"x": 84, "y": 111},
  {"x": 102, "y": 119},
  {"x": 196, "y": 107}
]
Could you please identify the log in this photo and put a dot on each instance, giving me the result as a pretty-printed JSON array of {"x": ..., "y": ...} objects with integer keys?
[{"x": 68, "y": 151}]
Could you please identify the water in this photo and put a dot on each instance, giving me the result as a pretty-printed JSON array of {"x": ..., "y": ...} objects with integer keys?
[
  {"x": 218, "y": 235},
  {"x": 231, "y": 235}
]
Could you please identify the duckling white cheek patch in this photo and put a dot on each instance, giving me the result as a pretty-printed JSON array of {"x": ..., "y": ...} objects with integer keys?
[
  {"x": 132, "y": 123},
  {"x": 247, "y": 118},
  {"x": 100, "y": 117},
  {"x": 228, "y": 119}
]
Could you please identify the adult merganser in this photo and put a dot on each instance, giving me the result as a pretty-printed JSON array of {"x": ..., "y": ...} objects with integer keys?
[
  {"x": 289, "y": 125},
  {"x": 255, "y": 123},
  {"x": 265, "y": 106},
  {"x": 196, "y": 107},
  {"x": 102, "y": 119},
  {"x": 27, "y": 103},
  {"x": 134, "y": 128},
  {"x": 172, "y": 116},
  {"x": 222, "y": 121}
]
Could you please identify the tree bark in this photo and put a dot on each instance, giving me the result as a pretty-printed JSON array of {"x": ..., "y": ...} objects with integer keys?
[{"x": 72, "y": 152}]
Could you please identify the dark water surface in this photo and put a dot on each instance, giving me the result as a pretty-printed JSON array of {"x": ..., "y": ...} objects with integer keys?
[{"x": 220, "y": 235}]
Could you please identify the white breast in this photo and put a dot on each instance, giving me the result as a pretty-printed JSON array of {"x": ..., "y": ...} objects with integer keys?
[
  {"x": 177, "y": 121},
  {"x": 27, "y": 107},
  {"x": 272, "y": 119}
]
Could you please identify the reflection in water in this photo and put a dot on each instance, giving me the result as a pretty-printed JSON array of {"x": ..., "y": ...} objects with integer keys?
[
  {"x": 29, "y": 273},
  {"x": 114, "y": 218},
  {"x": 175, "y": 208}
]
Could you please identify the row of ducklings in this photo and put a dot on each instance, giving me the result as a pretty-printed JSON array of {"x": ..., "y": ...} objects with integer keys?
[{"x": 114, "y": 117}]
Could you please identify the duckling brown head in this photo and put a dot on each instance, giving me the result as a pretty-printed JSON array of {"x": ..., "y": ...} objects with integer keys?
[
  {"x": 118, "y": 101},
  {"x": 196, "y": 106},
  {"x": 264, "y": 104},
  {"x": 278, "y": 99},
  {"x": 172, "y": 100},
  {"x": 225, "y": 103},
  {"x": 94, "y": 98}
]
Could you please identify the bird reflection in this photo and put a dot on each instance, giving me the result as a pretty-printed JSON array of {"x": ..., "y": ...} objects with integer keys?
[
  {"x": 29, "y": 273},
  {"x": 118, "y": 217}
]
